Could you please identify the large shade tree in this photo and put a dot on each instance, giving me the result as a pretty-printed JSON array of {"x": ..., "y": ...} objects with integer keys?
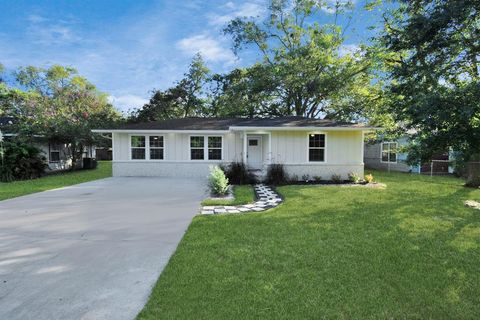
[
  {"x": 58, "y": 105},
  {"x": 434, "y": 52},
  {"x": 186, "y": 99},
  {"x": 307, "y": 69}
]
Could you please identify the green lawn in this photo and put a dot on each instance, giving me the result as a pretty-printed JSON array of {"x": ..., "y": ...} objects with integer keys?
[
  {"x": 242, "y": 195},
  {"x": 20, "y": 188},
  {"x": 409, "y": 251}
]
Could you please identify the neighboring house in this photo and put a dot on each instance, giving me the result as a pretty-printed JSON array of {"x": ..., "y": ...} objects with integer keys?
[
  {"x": 386, "y": 155},
  {"x": 187, "y": 147},
  {"x": 57, "y": 154}
]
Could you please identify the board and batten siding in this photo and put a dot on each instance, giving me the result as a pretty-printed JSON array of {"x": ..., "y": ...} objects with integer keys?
[
  {"x": 176, "y": 160},
  {"x": 344, "y": 154}
]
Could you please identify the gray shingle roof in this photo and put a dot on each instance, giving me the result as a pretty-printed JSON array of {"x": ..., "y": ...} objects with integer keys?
[{"x": 226, "y": 123}]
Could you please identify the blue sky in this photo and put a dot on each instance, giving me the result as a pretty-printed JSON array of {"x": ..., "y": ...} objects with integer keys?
[{"x": 127, "y": 48}]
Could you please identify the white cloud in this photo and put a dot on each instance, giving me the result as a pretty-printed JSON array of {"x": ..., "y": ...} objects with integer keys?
[
  {"x": 348, "y": 49},
  {"x": 127, "y": 102},
  {"x": 35, "y": 18},
  {"x": 330, "y": 7},
  {"x": 232, "y": 11},
  {"x": 47, "y": 32},
  {"x": 210, "y": 48}
]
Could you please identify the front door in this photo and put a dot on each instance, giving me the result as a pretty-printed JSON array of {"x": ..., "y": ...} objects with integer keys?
[{"x": 254, "y": 152}]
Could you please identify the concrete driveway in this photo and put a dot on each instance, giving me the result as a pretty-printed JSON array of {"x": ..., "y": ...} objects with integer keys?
[{"x": 93, "y": 250}]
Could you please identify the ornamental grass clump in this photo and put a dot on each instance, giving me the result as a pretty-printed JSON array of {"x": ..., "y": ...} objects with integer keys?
[
  {"x": 218, "y": 182},
  {"x": 353, "y": 177},
  {"x": 276, "y": 175}
]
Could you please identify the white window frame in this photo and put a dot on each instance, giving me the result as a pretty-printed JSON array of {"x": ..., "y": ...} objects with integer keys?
[
  {"x": 147, "y": 146},
  {"x": 205, "y": 148},
  {"x": 324, "y": 148},
  {"x": 163, "y": 148},
  {"x": 388, "y": 151},
  {"x": 51, "y": 149}
]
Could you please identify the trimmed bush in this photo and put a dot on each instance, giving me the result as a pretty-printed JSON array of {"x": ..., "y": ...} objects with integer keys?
[
  {"x": 473, "y": 183},
  {"x": 217, "y": 182},
  {"x": 237, "y": 173},
  {"x": 276, "y": 174},
  {"x": 20, "y": 161}
]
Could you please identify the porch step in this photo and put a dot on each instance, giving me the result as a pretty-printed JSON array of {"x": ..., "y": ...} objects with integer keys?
[{"x": 259, "y": 174}]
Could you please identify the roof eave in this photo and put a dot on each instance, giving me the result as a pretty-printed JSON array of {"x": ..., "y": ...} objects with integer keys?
[
  {"x": 156, "y": 131},
  {"x": 310, "y": 128},
  {"x": 238, "y": 128}
]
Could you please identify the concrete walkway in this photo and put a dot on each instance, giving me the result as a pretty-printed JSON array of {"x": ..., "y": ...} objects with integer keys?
[{"x": 91, "y": 251}]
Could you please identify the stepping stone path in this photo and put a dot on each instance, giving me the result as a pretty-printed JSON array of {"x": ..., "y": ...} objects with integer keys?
[{"x": 266, "y": 199}]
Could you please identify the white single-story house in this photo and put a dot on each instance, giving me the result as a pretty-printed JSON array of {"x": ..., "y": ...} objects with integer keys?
[{"x": 187, "y": 147}]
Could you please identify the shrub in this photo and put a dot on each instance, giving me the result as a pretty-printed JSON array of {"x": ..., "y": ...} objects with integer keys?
[
  {"x": 237, "y": 173},
  {"x": 317, "y": 178},
  {"x": 293, "y": 178},
  {"x": 276, "y": 174},
  {"x": 473, "y": 183},
  {"x": 353, "y": 177},
  {"x": 20, "y": 161},
  {"x": 306, "y": 177},
  {"x": 369, "y": 178},
  {"x": 336, "y": 178},
  {"x": 217, "y": 182}
]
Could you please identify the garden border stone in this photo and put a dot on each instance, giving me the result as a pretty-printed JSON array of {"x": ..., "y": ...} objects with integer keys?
[{"x": 267, "y": 198}]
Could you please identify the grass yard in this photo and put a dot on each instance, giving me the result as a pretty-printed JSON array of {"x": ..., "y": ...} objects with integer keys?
[
  {"x": 20, "y": 188},
  {"x": 409, "y": 251},
  {"x": 243, "y": 195}
]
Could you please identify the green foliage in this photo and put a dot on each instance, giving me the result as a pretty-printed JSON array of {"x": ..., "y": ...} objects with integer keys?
[
  {"x": 354, "y": 177},
  {"x": 433, "y": 73},
  {"x": 20, "y": 161},
  {"x": 243, "y": 194},
  {"x": 58, "y": 105},
  {"x": 317, "y": 178},
  {"x": 473, "y": 183},
  {"x": 244, "y": 92},
  {"x": 185, "y": 99},
  {"x": 276, "y": 174},
  {"x": 217, "y": 182},
  {"x": 306, "y": 259},
  {"x": 238, "y": 174},
  {"x": 306, "y": 69},
  {"x": 53, "y": 181},
  {"x": 336, "y": 178}
]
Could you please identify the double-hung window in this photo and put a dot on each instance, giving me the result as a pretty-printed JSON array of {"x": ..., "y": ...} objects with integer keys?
[
  {"x": 316, "y": 147},
  {"x": 389, "y": 152},
  {"x": 197, "y": 148},
  {"x": 214, "y": 148},
  {"x": 156, "y": 147},
  {"x": 138, "y": 147},
  {"x": 147, "y": 147},
  {"x": 54, "y": 153},
  {"x": 205, "y": 148}
]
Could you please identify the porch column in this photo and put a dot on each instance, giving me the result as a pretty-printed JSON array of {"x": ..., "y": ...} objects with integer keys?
[{"x": 244, "y": 147}]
